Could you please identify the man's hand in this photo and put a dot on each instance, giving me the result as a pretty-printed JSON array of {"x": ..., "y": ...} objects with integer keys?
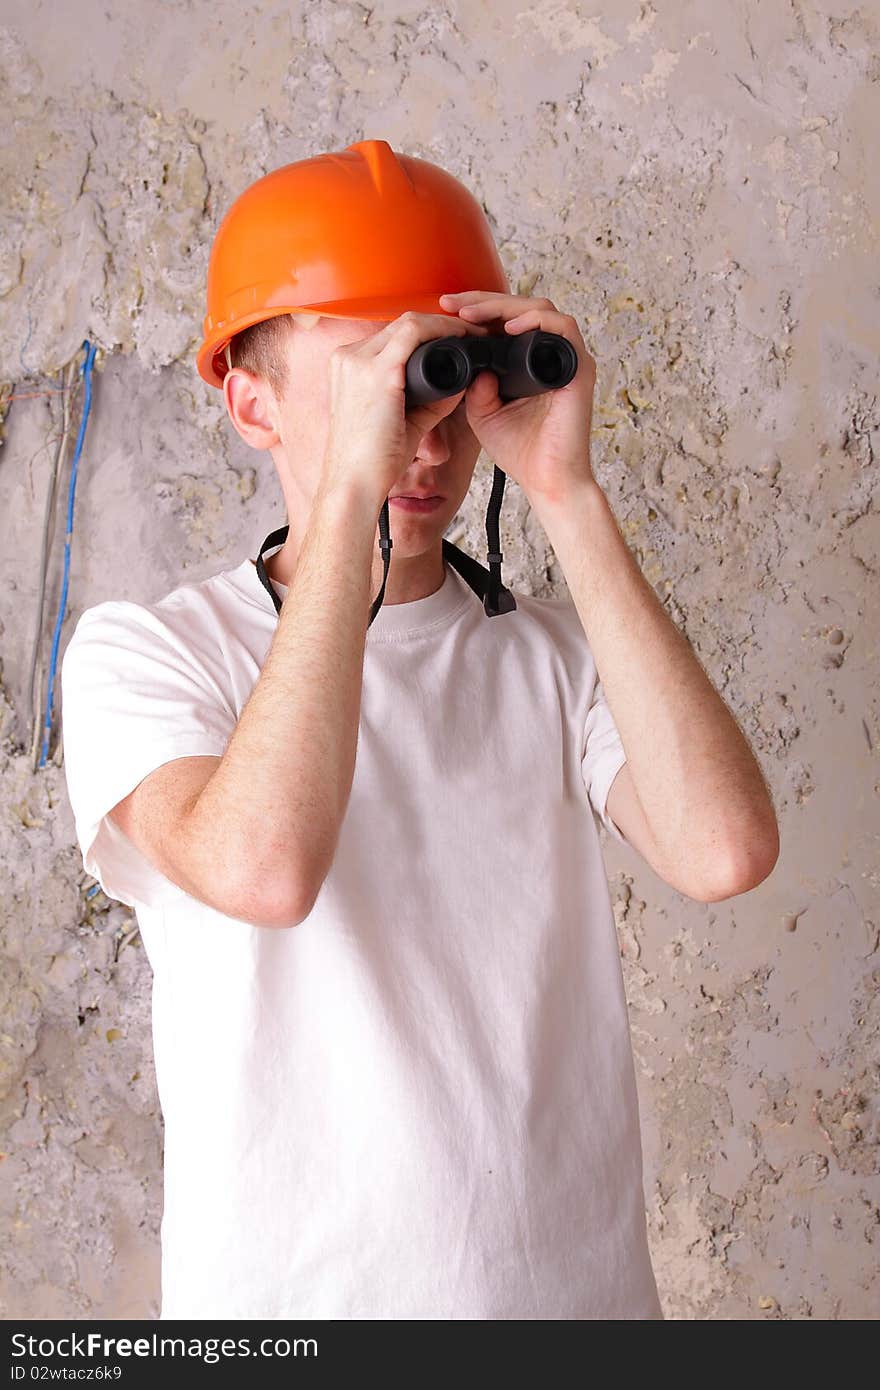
[{"x": 543, "y": 441}]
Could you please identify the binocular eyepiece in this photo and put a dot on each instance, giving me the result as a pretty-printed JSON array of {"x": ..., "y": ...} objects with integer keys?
[{"x": 525, "y": 363}]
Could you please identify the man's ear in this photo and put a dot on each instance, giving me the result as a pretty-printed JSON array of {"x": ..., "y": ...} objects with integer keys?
[{"x": 251, "y": 416}]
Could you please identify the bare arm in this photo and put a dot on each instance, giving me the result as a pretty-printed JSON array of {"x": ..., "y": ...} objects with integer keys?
[
  {"x": 707, "y": 819},
  {"x": 274, "y": 805}
]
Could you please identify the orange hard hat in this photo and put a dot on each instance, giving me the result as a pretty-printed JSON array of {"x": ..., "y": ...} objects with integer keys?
[{"x": 364, "y": 233}]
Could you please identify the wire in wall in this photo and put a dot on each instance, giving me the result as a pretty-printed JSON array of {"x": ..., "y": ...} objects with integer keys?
[
  {"x": 69, "y": 402},
  {"x": 86, "y": 373}
]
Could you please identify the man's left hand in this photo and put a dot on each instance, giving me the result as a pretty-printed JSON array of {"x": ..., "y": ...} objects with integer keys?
[{"x": 543, "y": 441}]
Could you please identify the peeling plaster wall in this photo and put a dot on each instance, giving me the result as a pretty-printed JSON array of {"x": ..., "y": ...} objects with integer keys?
[{"x": 698, "y": 185}]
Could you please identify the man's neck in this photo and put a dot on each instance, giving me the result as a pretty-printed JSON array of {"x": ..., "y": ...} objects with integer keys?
[{"x": 408, "y": 590}]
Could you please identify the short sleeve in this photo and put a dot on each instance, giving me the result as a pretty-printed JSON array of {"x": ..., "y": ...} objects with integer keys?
[
  {"x": 134, "y": 695},
  {"x": 602, "y": 758}
]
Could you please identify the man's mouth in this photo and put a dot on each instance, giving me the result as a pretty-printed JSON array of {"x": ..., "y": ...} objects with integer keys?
[{"x": 415, "y": 504}]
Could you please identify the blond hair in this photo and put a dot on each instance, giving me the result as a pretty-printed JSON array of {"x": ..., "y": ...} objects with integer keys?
[{"x": 262, "y": 348}]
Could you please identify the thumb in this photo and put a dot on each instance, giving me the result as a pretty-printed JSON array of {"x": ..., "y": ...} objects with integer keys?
[{"x": 482, "y": 394}]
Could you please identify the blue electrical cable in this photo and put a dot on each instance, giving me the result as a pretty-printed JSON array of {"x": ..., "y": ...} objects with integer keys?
[{"x": 86, "y": 371}]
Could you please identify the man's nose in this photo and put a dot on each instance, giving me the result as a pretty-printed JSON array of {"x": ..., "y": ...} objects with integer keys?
[{"x": 433, "y": 447}]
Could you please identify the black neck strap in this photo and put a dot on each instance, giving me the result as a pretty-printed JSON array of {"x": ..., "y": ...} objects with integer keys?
[{"x": 486, "y": 583}]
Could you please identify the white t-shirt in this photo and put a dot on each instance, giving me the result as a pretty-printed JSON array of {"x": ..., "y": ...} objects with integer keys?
[{"x": 420, "y": 1102}]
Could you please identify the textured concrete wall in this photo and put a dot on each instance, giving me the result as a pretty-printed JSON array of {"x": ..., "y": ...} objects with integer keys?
[{"x": 698, "y": 185}]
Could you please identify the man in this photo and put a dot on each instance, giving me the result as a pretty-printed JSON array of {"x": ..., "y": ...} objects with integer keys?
[{"x": 391, "y": 1037}]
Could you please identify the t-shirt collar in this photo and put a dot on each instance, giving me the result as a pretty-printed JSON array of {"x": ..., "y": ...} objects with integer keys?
[{"x": 393, "y": 620}]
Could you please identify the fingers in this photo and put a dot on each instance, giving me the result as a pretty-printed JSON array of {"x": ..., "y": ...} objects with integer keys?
[{"x": 413, "y": 328}]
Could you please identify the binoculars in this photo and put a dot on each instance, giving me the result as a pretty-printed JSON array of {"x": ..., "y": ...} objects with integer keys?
[{"x": 525, "y": 363}]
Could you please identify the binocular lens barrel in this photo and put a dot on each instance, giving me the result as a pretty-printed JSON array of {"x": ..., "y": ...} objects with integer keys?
[{"x": 525, "y": 365}]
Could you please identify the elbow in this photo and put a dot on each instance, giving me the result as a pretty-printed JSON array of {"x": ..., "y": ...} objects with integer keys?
[
  {"x": 284, "y": 914},
  {"x": 294, "y": 908},
  {"x": 285, "y": 904},
  {"x": 745, "y": 865},
  {"x": 298, "y": 901},
  {"x": 284, "y": 897}
]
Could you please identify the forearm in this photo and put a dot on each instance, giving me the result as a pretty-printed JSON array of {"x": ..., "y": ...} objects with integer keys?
[
  {"x": 700, "y": 787},
  {"x": 282, "y": 787}
]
